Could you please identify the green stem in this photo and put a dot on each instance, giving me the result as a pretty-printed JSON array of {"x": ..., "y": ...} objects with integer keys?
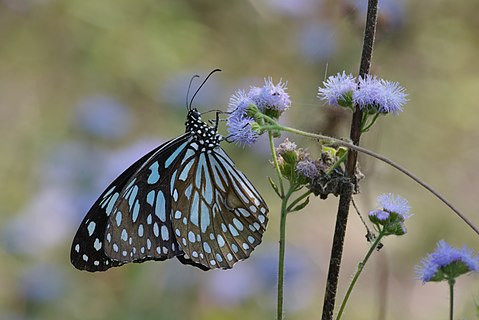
[
  {"x": 358, "y": 273},
  {"x": 379, "y": 157},
  {"x": 275, "y": 161},
  {"x": 282, "y": 240},
  {"x": 295, "y": 202},
  {"x": 451, "y": 298}
]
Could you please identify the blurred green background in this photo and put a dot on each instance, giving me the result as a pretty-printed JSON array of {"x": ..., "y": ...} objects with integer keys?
[{"x": 87, "y": 87}]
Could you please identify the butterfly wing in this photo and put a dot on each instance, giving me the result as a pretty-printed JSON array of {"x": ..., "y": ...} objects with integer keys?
[
  {"x": 218, "y": 216},
  {"x": 126, "y": 205}
]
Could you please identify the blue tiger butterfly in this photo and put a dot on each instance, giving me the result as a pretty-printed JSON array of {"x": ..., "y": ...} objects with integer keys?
[{"x": 184, "y": 199}]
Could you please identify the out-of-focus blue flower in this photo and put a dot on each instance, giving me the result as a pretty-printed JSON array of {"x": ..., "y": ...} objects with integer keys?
[
  {"x": 257, "y": 278},
  {"x": 338, "y": 89},
  {"x": 297, "y": 8},
  {"x": 104, "y": 117},
  {"x": 396, "y": 204},
  {"x": 47, "y": 220},
  {"x": 308, "y": 168},
  {"x": 378, "y": 95},
  {"x": 271, "y": 96},
  {"x": 313, "y": 33},
  {"x": 391, "y": 12},
  {"x": 447, "y": 263},
  {"x": 42, "y": 283}
]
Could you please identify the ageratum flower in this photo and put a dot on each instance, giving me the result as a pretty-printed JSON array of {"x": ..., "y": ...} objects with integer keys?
[
  {"x": 271, "y": 96},
  {"x": 390, "y": 219},
  {"x": 447, "y": 263},
  {"x": 270, "y": 99},
  {"x": 378, "y": 95},
  {"x": 308, "y": 168},
  {"x": 239, "y": 123},
  {"x": 338, "y": 90}
]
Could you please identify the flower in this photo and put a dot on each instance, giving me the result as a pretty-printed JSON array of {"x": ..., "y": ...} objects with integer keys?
[
  {"x": 396, "y": 204},
  {"x": 379, "y": 214},
  {"x": 308, "y": 168},
  {"x": 270, "y": 96},
  {"x": 390, "y": 219},
  {"x": 270, "y": 99},
  {"x": 378, "y": 95},
  {"x": 239, "y": 123},
  {"x": 338, "y": 89},
  {"x": 447, "y": 263},
  {"x": 286, "y": 146},
  {"x": 103, "y": 117}
]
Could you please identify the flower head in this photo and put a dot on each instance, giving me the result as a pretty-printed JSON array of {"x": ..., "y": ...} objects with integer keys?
[
  {"x": 378, "y": 95},
  {"x": 447, "y": 263},
  {"x": 308, "y": 168},
  {"x": 244, "y": 108},
  {"x": 390, "y": 219},
  {"x": 239, "y": 123},
  {"x": 338, "y": 89},
  {"x": 396, "y": 204},
  {"x": 271, "y": 96}
]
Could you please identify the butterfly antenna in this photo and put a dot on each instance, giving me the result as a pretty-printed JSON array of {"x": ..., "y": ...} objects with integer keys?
[
  {"x": 201, "y": 86},
  {"x": 188, "y": 91}
]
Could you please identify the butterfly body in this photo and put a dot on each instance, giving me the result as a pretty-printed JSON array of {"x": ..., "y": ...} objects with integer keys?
[{"x": 184, "y": 199}]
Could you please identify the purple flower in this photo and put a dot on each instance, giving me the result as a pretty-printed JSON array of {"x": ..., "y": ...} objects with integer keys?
[
  {"x": 308, "y": 168},
  {"x": 271, "y": 99},
  {"x": 446, "y": 263},
  {"x": 337, "y": 89},
  {"x": 239, "y": 123},
  {"x": 390, "y": 219},
  {"x": 379, "y": 95},
  {"x": 379, "y": 214},
  {"x": 396, "y": 204},
  {"x": 270, "y": 96}
]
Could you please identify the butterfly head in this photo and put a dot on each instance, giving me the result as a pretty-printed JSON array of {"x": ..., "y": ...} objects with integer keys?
[{"x": 204, "y": 135}]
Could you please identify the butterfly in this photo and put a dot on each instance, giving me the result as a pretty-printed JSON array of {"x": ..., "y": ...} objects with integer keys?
[{"x": 184, "y": 199}]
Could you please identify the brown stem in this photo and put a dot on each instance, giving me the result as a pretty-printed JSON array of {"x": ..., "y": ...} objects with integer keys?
[{"x": 347, "y": 190}]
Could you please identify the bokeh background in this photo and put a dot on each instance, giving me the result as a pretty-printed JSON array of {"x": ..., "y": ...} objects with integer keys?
[{"x": 87, "y": 87}]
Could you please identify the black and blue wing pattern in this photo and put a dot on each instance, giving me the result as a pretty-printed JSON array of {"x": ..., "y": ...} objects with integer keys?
[{"x": 185, "y": 199}]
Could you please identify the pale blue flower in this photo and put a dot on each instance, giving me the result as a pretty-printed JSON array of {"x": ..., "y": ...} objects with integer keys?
[
  {"x": 338, "y": 89},
  {"x": 308, "y": 169},
  {"x": 378, "y": 95},
  {"x": 239, "y": 123},
  {"x": 394, "y": 204},
  {"x": 271, "y": 96},
  {"x": 446, "y": 263}
]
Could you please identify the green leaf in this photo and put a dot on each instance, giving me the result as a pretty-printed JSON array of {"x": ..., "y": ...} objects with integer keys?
[
  {"x": 300, "y": 206},
  {"x": 274, "y": 186}
]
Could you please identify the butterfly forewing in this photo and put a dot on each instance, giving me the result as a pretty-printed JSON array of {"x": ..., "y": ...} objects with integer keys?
[
  {"x": 218, "y": 216},
  {"x": 101, "y": 232}
]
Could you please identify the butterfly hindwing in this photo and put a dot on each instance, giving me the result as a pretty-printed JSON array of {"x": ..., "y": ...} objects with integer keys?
[{"x": 218, "y": 217}]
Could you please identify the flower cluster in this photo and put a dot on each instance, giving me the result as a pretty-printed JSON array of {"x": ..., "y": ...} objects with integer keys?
[
  {"x": 322, "y": 176},
  {"x": 370, "y": 93},
  {"x": 390, "y": 219},
  {"x": 447, "y": 263},
  {"x": 270, "y": 99},
  {"x": 289, "y": 155}
]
